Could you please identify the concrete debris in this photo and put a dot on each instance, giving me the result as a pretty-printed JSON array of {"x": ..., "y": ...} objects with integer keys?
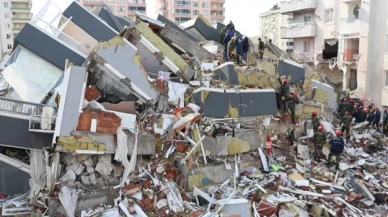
[{"x": 151, "y": 121}]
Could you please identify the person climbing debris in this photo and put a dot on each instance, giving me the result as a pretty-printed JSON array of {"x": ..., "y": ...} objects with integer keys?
[
  {"x": 336, "y": 148},
  {"x": 261, "y": 49},
  {"x": 284, "y": 90},
  {"x": 315, "y": 120},
  {"x": 293, "y": 100},
  {"x": 319, "y": 141},
  {"x": 345, "y": 122},
  {"x": 376, "y": 122},
  {"x": 385, "y": 122}
]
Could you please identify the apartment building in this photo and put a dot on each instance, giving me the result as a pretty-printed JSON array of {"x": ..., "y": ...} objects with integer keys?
[
  {"x": 122, "y": 8},
  {"x": 184, "y": 10},
  {"x": 14, "y": 14},
  {"x": 343, "y": 39},
  {"x": 270, "y": 27}
]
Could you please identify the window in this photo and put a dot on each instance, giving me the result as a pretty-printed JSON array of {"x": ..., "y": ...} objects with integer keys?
[
  {"x": 7, "y": 26},
  {"x": 386, "y": 78},
  {"x": 183, "y": 11},
  {"x": 8, "y": 36},
  {"x": 109, "y": 1},
  {"x": 112, "y": 8},
  {"x": 329, "y": 16},
  {"x": 5, "y": 4},
  {"x": 290, "y": 43},
  {"x": 137, "y": 9},
  {"x": 9, "y": 46},
  {"x": 306, "y": 46},
  {"x": 205, "y": 4},
  {"x": 181, "y": 19},
  {"x": 121, "y": 1},
  {"x": 121, "y": 9},
  {"x": 6, "y": 15},
  {"x": 307, "y": 18},
  {"x": 195, "y": 4},
  {"x": 195, "y": 12},
  {"x": 182, "y": 2},
  {"x": 205, "y": 13}
]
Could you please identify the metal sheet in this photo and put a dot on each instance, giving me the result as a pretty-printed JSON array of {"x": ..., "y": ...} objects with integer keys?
[
  {"x": 12, "y": 180},
  {"x": 295, "y": 70}
]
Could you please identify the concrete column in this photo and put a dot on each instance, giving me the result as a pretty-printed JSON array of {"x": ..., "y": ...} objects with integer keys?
[{"x": 345, "y": 77}]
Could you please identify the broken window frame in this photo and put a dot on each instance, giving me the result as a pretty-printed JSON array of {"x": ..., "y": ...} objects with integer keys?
[{"x": 329, "y": 16}]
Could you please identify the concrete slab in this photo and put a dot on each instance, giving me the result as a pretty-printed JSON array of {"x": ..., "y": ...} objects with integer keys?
[
  {"x": 227, "y": 72},
  {"x": 327, "y": 92},
  {"x": 235, "y": 102},
  {"x": 293, "y": 69}
]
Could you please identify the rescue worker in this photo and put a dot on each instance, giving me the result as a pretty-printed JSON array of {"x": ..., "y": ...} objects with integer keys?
[
  {"x": 376, "y": 122},
  {"x": 291, "y": 137},
  {"x": 231, "y": 48},
  {"x": 293, "y": 100},
  {"x": 57, "y": 99},
  {"x": 227, "y": 38},
  {"x": 345, "y": 122},
  {"x": 337, "y": 147},
  {"x": 246, "y": 46},
  {"x": 343, "y": 107},
  {"x": 223, "y": 32},
  {"x": 315, "y": 121},
  {"x": 371, "y": 105},
  {"x": 319, "y": 141},
  {"x": 261, "y": 49},
  {"x": 385, "y": 122},
  {"x": 356, "y": 113},
  {"x": 370, "y": 117},
  {"x": 350, "y": 106},
  {"x": 362, "y": 114},
  {"x": 284, "y": 90},
  {"x": 239, "y": 49}
]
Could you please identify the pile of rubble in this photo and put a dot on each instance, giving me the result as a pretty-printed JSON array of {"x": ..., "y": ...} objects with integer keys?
[{"x": 150, "y": 122}]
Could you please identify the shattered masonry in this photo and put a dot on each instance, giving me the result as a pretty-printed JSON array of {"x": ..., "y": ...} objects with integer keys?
[{"x": 114, "y": 117}]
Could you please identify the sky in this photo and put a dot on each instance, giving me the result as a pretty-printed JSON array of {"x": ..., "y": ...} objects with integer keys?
[{"x": 243, "y": 13}]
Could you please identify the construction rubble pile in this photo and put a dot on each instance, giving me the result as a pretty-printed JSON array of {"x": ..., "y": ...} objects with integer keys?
[{"x": 152, "y": 125}]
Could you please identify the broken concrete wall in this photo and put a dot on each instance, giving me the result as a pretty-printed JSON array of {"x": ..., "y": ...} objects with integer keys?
[
  {"x": 293, "y": 69},
  {"x": 122, "y": 57},
  {"x": 171, "y": 24},
  {"x": 72, "y": 95},
  {"x": 227, "y": 72},
  {"x": 170, "y": 58},
  {"x": 191, "y": 47},
  {"x": 34, "y": 39},
  {"x": 326, "y": 94},
  {"x": 235, "y": 103}
]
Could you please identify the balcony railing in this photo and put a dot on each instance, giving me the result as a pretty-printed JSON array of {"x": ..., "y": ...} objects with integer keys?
[
  {"x": 217, "y": 15},
  {"x": 138, "y": 2},
  {"x": 20, "y": 107},
  {"x": 298, "y": 30},
  {"x": 21, "y": 18},
  {"x": 349, "y": 25},
  {"x": 291, "y": 6},
  {"x": 42, "y": 123}
]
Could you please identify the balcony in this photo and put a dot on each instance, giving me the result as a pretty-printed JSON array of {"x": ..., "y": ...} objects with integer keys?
[
  {"x": 28, "y": 1},
  {"x": 217, "y": 1},
  {"x": 298, "y": 30},
  {"x": 21, "y": 19},
  {"x": 349, "y": 1},
  {"x": 16, "y": 8},
  {"x": 181, "y": 14},
  {"x": 217, "y": 15},
  {"x": 137, "y": 2},
  {"x": 292, "y": 6},
  {"x": 350, "y": 26}
]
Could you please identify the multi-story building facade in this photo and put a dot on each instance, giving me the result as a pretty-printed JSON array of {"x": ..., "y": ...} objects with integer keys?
[
  {"x": 181, "y": 11},
  {"x": 127, "y": 8},
  {"x": 270, "y": 27},
  {"x": 343, "y": 39},
  {"x": 14, "y": 14}
]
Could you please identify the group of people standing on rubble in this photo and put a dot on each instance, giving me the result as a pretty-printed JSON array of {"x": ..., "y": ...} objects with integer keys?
[
  {"x": 235, "y": 46},
  {"x": 371, "y": 113}
]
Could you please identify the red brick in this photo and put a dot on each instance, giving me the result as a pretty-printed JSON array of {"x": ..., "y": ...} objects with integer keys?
[
  {"x": 92, "y": 93},
  {"x": 181, "y": 147}
]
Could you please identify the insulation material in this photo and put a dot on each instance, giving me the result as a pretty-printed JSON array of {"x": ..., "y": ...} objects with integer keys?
[
  {"x": 332, "y": 98},
  {"x": 176, "y": 93},
  {"x": 128, "y": 121},
  {"x": 69, "y": 200},
  {"x": 174, "y": 198},
  {"x": 37, "y": 172},
  {"x": 47, "y": 118},
  {"x": 31, "y": 77},
  {"x": 163, "y": 123}
]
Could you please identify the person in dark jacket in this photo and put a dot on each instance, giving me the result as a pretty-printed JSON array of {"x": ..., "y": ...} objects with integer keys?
[
  {"x": 228, "y": 36},
  {"x": 356, "y": 113},
  {"x": 261, "y": 49},
  {"x": 371, "y": 105},
  {"x": 319, "y": 141},
  {"x": 293, "y": 100},
  {"x": 376, "y": 122},
  {"x": 223, "y": 32},
  {"x": 385, "y": 122},
  {"x": 337, "y": 147},
  {"x": 315, "y": 120},
  {"x": 284, "y": 90},
  {"x": 370, "y": 117},
  {"x": 239, "y": 49},
  {"x": 362, "y": 114},
  {"x": 246, "y": 46}
]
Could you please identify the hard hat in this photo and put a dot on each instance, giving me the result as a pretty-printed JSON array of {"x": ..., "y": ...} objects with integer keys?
[
  {"x": 295, "y": 94},
  {"x": 375, "y": 108},
  {"x": 314, "y": 113},
  {"x": 338, "y": 132},
  {"x": 385, "y": 109},
  {"x": 285, "y": 81},
  {"x": 320, "y": 128},
  {"x": 361, "y": 107},
  {"x": 346, "y": 113}
]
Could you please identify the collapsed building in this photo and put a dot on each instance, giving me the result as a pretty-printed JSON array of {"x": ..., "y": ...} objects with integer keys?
[{"x": 104, "y": 116}]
